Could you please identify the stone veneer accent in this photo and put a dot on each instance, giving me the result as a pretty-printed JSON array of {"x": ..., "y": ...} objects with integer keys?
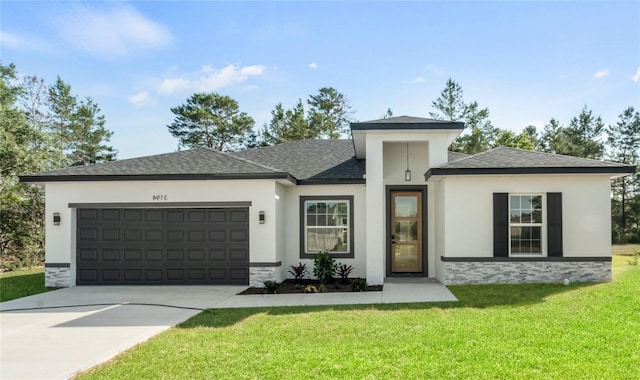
[
  {"x": 259, "y": 274},
  {"x": 519, "y": 272},
  {"x": 57, "y": 277}
]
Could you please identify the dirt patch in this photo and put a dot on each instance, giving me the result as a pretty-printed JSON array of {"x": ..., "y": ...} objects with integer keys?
[{"x": 291, "y": 287}]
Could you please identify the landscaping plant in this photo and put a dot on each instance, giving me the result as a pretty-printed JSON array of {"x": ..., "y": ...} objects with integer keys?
[
  {"x": 359, "y": 285},
  {"x": 324, "y": 268},
  {"x": 344, "y": 271},
  {"x": 298, "y": 271},
  {"x": 271, "y": 287}
]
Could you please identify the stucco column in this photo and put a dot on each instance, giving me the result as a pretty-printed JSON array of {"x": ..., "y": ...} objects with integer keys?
[{"x": 376, "y": 237}]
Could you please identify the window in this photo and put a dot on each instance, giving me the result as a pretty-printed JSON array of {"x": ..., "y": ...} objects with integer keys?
[
  {"x": 525, "y": 222},
  {"x": 326, "y": 225}
]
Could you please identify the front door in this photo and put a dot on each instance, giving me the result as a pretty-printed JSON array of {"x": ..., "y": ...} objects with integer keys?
[{"x": 406, "y": 232}]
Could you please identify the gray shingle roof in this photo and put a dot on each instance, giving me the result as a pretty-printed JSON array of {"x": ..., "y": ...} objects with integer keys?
[
  {"x": 407, "y": 122},
  {"x": 311, "y": 160},
  {"x": 505, "y": 160},
  {"x": 188, "y": 163}
]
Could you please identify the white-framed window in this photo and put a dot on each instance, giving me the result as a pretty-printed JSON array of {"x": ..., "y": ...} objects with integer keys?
[
  {"x": 326, "y": 225},
  {"x": 526, "y": 224}
]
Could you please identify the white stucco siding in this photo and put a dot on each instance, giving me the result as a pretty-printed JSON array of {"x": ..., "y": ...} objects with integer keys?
[
  {"x": 60, "y": 239},
  {"x": 438, "y": 227},
  {"x": 468, "y": 212},
  {"x": 291, "y": 226},
  {"x": 281, "y": 233}
]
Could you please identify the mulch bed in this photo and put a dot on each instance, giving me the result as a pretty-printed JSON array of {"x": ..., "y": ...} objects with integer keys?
[{"x": 289, "y": 286}]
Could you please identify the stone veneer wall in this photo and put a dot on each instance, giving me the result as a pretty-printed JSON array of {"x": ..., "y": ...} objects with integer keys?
[
  {"x": 258, "y": 275},
  {"x": 57, "y": 277},
  {"x": 518, "y": 272}
]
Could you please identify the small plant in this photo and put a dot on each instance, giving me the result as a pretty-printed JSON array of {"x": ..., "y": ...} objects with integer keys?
[
  {"x": 344, "y": 271},
  {"x": 634, "y": 259},
  {"x": 298, "y": 271},
  {"x": 324, "y": 267},
  {"x": 310, "y": 289},
  {"x": 359, "y": 285},
  {"x": 271, "y": 287}
]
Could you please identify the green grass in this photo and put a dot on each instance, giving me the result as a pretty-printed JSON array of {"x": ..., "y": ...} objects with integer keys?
[
  {"x": 539, "y": 331},
  {"x": 21, "y": 283}
]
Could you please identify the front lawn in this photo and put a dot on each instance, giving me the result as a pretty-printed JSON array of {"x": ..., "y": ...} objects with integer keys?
[
  {"x": 21, "y": 283},
  {"x": 541, "y": 331}
]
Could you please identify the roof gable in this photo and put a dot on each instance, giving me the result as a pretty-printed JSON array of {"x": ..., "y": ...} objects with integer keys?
[{"x": 406, "y": 122}]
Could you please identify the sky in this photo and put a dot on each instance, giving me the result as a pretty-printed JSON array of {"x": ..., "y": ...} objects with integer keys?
[{"x": 527, "y": 62}]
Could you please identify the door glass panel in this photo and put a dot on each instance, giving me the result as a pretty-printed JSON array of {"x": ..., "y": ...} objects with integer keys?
[
  {"x": 405, "y": 258},
  {"x": 406, "y": 206},
  {"x": 406, "y": 230}
]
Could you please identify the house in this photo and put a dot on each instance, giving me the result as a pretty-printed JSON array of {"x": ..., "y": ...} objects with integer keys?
[{"x": 392, "y": 201}]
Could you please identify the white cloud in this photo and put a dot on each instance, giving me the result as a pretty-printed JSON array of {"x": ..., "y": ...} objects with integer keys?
[
  {"x": 435, "y": 69},
  {"x": 210, "y": 79},
  {"x": 418, "y": 80},
  {"x": 112, "y": 33},
  {"x": 141, "y": 99},
  {"x": 601, "y": 74},
  {"x": 22, "y": 42},
  {"x": 313, "y": 65},
  {"x": 636, "y": 77}
]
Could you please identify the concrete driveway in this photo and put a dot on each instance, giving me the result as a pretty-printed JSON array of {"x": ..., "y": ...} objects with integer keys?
[{"x": 56, "y": 343}]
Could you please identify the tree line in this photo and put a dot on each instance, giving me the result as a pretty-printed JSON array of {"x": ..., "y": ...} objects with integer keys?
[
  {"x": 45, "y": 127},
  {"x": 42, "y": 127}
]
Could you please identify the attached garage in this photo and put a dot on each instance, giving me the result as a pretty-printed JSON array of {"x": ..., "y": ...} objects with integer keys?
[{"x": 162, "y": 246}]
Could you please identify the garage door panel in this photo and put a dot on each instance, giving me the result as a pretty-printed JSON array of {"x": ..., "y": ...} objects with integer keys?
[{"x": 162, "y": 246}]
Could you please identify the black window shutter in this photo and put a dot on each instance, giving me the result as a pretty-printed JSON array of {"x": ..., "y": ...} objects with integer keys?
[
  {"x": 554, "y": 224},
  {"x": 500, "y": 225}
]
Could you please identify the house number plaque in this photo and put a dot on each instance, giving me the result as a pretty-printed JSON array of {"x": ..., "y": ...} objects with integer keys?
[{"x": 160, "y": 197}]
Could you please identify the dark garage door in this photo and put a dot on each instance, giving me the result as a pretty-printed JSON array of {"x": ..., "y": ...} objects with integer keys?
[{"x": 162, "y": 246}]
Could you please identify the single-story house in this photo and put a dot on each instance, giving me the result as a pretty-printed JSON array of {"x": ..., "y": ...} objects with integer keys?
[{"x": 391, "y": 201}]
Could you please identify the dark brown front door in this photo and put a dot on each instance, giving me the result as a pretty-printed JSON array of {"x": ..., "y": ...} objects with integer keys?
[{"x": 406, "y": 232}]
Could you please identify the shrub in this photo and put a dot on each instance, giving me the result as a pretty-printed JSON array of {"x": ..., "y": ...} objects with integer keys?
[
  {"x": 344, "y": 271},
  {"x": 271, "y": 287},
  {"x": 324, "y": 267},
  {"x": 298, "y": 271},
  {"x": 359, "y": 285}
]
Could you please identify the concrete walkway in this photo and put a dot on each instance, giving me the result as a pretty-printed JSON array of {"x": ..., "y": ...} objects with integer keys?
[{"x": 56, "y": 340}]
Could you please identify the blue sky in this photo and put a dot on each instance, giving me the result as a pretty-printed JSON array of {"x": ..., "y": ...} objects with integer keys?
[{"x": 526, "y": 61}]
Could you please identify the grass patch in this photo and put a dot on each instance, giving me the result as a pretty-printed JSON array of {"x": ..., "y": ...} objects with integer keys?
[
  {"x": 625, "y": 249},
  {"x": 21, "y": 283},
  {"x": 539, "y": 331}
]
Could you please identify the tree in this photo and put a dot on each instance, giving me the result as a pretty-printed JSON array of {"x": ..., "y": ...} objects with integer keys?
[
  {"x": 329, "y": 113},
  {"x": 580, "y": 139},
  {"x": 510, "y": 139},
  {"x": 77, "y": 128},
  {"x": 450, "y": 104},
  {"x": 88, "y": 136},
  {"x": 21, "y": 205},
  {"x": 212, "y": 121},
  {"x": 288, "y": 125},
  {"x": 624, "y": 147},
  {"x": 388, "y": 114}
]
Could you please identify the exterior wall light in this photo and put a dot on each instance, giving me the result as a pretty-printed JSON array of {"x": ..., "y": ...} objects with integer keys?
[
  {"x": 56, "y": 218},
  {"x": 261, "y": 217},
  {"x": 407, "y": 173}
]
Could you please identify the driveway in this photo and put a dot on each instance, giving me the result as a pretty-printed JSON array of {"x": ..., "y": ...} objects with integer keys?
[{"x": 57, "y": 342}]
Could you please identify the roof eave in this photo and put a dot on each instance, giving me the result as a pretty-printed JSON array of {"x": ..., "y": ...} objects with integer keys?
[
  {"x": 407, "y": 126},
  {"x": 623, "y": 170},
  {"x": 154, "y": 177}
]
